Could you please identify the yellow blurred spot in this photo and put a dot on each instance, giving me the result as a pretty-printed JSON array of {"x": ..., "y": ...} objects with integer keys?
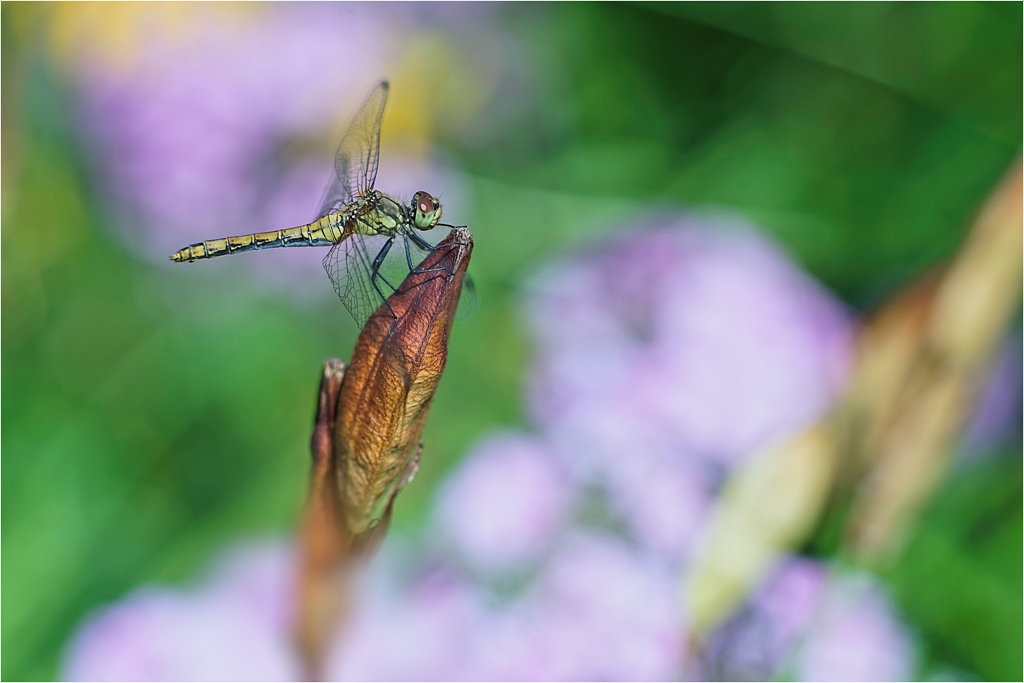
[
  {"x": 409, "y": 118},
  {"x": 115, "y": 32},
  {"x": 433, "y": 85}
]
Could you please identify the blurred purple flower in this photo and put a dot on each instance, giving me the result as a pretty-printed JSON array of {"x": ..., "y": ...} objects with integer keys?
[
  {"x": 698, "y": 330},
  {"x": 788, "y": 598},
  {"x": 801, "y": 623},
  {"x": 234, "y": 627},
  {"x": 670, "y": 354},
  {"x": 855, "y": 635},
  {"x": 506, "y": 502},
  {"x": 598, "y": 611},
  {"x": 998, "y": 410},
  {"x": 421, "y": 633},
  {"x": 664, "y": 503},
  {"x": 756, "y": 642}
]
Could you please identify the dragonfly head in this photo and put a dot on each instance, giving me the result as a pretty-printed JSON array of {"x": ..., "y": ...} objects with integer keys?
[{"x": 425, "y": 210}]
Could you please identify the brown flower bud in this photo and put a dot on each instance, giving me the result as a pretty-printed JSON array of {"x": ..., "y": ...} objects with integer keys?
[
  {"x": 365, "y": 443},
  {"x": 396, "y": 366}
]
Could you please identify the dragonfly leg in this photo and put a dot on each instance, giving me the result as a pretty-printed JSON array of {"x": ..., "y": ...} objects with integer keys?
[
  {"x": 408, "y": 256},
  {"x": 379, "y": 258},
  {"x": 375, "y": 271},
  {"x": 422, "y": 244}
]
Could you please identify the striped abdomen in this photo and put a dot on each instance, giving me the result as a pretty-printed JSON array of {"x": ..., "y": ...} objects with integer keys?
[{"x": 321, "y": 233}]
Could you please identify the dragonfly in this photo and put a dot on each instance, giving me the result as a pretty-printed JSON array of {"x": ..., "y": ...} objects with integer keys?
[{"x": 375, "y": 239}]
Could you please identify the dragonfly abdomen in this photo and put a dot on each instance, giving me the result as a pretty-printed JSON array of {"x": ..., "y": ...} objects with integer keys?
[{"x": 321, "y": 233}]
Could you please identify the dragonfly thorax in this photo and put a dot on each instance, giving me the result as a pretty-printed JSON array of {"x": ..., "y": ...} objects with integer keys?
[{"x": 375, "y": 213}]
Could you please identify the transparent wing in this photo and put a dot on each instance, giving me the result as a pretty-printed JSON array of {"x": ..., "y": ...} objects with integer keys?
[
  {"x": 366, "y": 269},
  {"x": 469, "y": 301},
  {"x": 349, "y": 266},
  {"x": 335, "y": 196},
  {"x": 356, "y": 161}
]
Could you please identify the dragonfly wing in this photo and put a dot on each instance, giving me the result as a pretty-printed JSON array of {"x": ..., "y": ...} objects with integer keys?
[
  {"x": 366, "y": 269},
  {"x": 358, "y": 155},
  {"x": 469, "y": 301},
  {"x": 335, "y": 197},
  {"x": 349, "y": 265}
]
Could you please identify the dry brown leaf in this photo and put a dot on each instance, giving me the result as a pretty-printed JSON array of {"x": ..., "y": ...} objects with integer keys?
[{"x": 973, "y": 304}]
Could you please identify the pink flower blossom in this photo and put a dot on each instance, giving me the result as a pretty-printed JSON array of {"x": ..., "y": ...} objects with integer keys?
[
  {"x": 757, "y": 642},
  {"x": 422, "y": 632},
  {"x": 855, "y": 635},
  {"x": 806, "y": 625},
  {"x": 506, "y": 502},
  {"x": 697, "y": 330},
  {"x": 670, "y": 354},
  {"x": 599, "y": 611},
  {"x": 234, "y": 627},
  {"x": 620, "y": 606}
]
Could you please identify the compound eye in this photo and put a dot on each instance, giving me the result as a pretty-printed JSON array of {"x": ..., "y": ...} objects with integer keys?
[
  {"x": 425, "y": 203},
  {"x": 426, "y": 210}
]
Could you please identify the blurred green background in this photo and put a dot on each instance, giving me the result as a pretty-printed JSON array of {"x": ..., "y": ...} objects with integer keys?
[{"x": 143, "y": 431}]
